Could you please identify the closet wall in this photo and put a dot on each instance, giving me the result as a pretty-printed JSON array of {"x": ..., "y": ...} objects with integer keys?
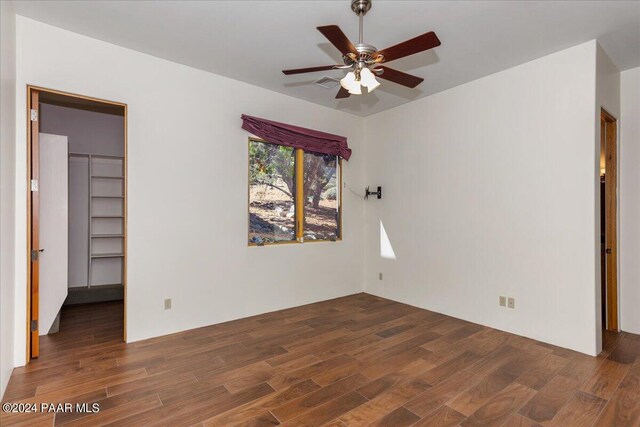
[
  {"x": 96, "y": 147},
  {"x": 89, "y": 132}
]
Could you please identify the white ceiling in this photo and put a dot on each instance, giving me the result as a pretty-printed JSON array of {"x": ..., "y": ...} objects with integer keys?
[{"x": 253, "y": 41}]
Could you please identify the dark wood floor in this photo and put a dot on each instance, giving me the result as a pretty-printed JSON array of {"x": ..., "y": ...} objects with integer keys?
[{"x": 358, "y": 360}]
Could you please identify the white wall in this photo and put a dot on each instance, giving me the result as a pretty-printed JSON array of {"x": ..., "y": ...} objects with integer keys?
[
  {"x": 187, "y": 187},
  {"x": 629, "y": 191},
  {"x": 607, "y": 98},
  {"x": 78, "y": 221},
  {"x": 489, "y": 190},
  {"x": 89, "y": 132},
  {"x": 7, "y": 194}
]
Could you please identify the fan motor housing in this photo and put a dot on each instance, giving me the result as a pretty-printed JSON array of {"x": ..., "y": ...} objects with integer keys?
[
  {"x": 365, "y": 49},
  {"x": 365, "y": 52}
]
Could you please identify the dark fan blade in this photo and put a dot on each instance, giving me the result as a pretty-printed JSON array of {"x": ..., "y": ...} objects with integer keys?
[
  {"x": 343, "y": 93},
  {"x": 337, "y": 38},
  {"x": 399, "y": 77},
  {"x": 310, "y": 70},
  {"x": 417, "y": 44}
]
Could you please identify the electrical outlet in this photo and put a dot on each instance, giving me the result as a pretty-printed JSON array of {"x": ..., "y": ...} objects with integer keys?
[
  {"x": 167, "y": 304},
  {"x": 511, "y": 303},
  {"x": 379, "y": 276},
  {"x": 503, "y": 301}
]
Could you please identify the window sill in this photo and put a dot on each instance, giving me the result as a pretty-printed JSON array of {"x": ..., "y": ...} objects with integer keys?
[{"x": 288, "y": 242}]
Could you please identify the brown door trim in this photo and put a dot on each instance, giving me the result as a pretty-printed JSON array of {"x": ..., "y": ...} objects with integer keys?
[
  {"x": 33, "y": 99},
  {"x": 33, "y": 246},
  {"x": 611, "y": 213}
]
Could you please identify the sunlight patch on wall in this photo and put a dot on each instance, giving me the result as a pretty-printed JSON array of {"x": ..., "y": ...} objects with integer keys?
[{"x": 386, "y": 250}]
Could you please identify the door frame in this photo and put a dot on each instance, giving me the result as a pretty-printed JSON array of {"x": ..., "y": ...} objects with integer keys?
[
  {"x": 611, "y": 218},
  {"x": 33, "y": 92}
]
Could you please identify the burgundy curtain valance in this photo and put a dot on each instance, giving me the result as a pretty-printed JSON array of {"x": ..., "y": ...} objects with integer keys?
[{"x": 297, "y": 137}]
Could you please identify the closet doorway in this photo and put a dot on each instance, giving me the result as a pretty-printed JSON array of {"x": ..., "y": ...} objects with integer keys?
[{"x": 76, "y": 219}]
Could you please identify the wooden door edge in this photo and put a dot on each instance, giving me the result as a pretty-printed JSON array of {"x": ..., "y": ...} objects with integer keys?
[
  {"x": 612, "y": 289},
  {"x": 28, "y": 254}
]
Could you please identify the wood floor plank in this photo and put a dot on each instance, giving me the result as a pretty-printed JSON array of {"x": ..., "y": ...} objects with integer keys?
[
  {"x": 582, "y": 410},
  {"x": 542, "y": 372},
  {"x": 386, "y": 402},
  {"x": 581, "y": 367},
  {"x": 623, "y": 410},
  {"x": 116, "y": 413},
  {"x": 473, "y": 398},
  {"x": 627, "y": 350},
  {"x": 55, "y": 394},
  {"x": 357, "y": 360},
  {"x": 395, "y": 343},
  {"x": 335, "y": 423},
  {"x": 390, "y": 362},
  {"x": 550, "y": 399},
  {"x": 176, "y": 386},
  {"x": 501, "y": 406},
  {"x": 325, "y": 394},
  {"x": 455, "y": 384},
  {"x": 401, "y": 373},
  {"x": 518, "y": 420},
  {"x": 624, "y": 407},
  {"x": 606, "y": 379},
  {"x": 30, "y": 420},
  {"x": 395, "y": 330},
  {"x": 86, "y": 376},
  {"x": 265, "y": 419},
  {"x": 631, "y": 382},
  {"x": 257, "y": 408},
  {"x": 447, "y": 369},
  {"x": 444, "y": 416},
  {"x": 486, "y": 341},
  {"x": 328, "y": 411},
  {"x": 187, "y": 393},
  {"x": 444, "y": 341},
  {"x": 149, "y": 382},
  {"x": 197, "y": 407},
  {"x": 326, "y": 368},
  {"x": 400, "y": 417}
]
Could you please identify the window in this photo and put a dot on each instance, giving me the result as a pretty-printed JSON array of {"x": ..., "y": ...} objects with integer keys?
[
  {"x": 321, "y": 192},
  {"x": 294, "y": 196}
]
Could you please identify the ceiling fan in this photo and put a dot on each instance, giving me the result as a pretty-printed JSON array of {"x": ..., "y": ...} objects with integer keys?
[{"x": 364, "y": 61}]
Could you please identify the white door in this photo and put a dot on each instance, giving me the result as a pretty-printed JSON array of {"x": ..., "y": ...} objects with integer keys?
[{"x": 54, "y": 227}]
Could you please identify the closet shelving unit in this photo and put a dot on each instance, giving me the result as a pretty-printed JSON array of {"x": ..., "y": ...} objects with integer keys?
[
  {"x": 106, "y": 219},
  {"x": 106, "y": 194}
]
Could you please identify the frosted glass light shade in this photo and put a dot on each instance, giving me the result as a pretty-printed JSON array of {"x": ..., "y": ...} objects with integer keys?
[
  {"x": 355, "y": 88},
  {"x": 369, "y": 79},
  {"x": 348, "y": 81}
]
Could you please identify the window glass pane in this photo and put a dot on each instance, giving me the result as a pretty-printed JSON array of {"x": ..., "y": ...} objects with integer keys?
[
  {"x": 321, "y": 196},
  {"x": 271, "y": 193}
]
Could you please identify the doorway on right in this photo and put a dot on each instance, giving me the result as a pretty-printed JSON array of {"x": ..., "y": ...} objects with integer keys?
[{"x": 608, "y": 220}]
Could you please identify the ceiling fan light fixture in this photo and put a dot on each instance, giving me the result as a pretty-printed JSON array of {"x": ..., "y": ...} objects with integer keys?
[
  {"x": 369, "y": 80},
  {"x": 361, "y": 58},
  {"x": 355, "y": 88},
  {"x": 348, "y": 81},
  {"x": 351, "y": 83}
]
